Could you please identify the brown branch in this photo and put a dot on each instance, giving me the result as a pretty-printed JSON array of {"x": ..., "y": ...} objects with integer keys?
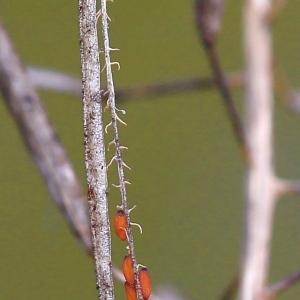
[
  {"x": 42, "y": 141},
  {"x": 208, "y": 21},
  {"x": 54, "y": 80},
  {"x": 231, "y": 290},
  {"x": 182, "y": 85},
  {"x": 276, "y": 8}
]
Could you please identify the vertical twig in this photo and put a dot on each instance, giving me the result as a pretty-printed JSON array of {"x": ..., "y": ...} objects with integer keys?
[
  {"x": 260, "y": 192},
  {"x": 118, "y": 153},
  {"x": 94, "y": 148},
  {"x": 42, "y": 142}
]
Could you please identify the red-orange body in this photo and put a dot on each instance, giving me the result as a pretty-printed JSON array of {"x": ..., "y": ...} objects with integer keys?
[
  {"x": 145, "y": 283},
  {"x": 130, "y": 291},
  {"x": 120, "y": 224},
  {"x": 127, "y": 267}
]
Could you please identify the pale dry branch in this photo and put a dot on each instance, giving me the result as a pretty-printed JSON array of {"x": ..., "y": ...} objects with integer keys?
[
  {"x": 260, "y": 192},
  {"x": 94, "y": 148},
  {"x": 42, "y": 142}
]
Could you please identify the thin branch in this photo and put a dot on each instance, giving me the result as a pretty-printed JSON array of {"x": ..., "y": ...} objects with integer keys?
[
  {"x": 281, "y": 285},
  {"x": 42, "y": 142},
  {"x": 181, "y": 85},
  {"x": 260, "y": 191},
  {"x": 94, "y": 148},
  {"x": 208, "y": 21},
  {"x": 63, "y": 82},
  {"x": 118, "y": 153}
]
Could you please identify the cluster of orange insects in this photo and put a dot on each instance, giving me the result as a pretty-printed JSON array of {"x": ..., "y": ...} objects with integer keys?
[{"x": 120, "y": 224}]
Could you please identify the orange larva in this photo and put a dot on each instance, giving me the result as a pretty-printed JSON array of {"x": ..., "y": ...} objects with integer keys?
[
  {"x": 120, "y": 224},
  {"x": 127, "y": 267},
  {"x": 145, "y": 283},
  {"x": 130, "y": 291}
]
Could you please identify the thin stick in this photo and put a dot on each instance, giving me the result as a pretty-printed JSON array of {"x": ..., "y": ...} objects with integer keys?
[
  {"x": 42, "y": 142},
  {"x": 94, "y": 148},
  {"x": 62, "y": 82},
  {"x": 118, "y": 153},
  {"x": 232, "y": 111},
  {"x": 182, "y": 85},
  {"x": 260, "y": 192}
]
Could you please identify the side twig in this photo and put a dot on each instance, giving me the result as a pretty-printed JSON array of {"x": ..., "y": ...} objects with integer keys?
[
  {"x": 62, "y": 82},
  {"x": 281, "y": 285},
  {"x": 94, "y": 148},
  {"x": 42, "y": 142}
]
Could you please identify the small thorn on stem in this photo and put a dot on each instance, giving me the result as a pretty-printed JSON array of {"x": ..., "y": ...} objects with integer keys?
[
  {"x": 141, "y": 266},
  {"x": 116, "y": 63},
  {"x": 98, "y": 14},
  {"x": 106, "y": 127},
  {"x": 117, "y": 185},
  {"x": 114, "y": 158},
  {"x": 110, "y": 143},
  {"x": 120, "y": 120},
  {"x": 121, "y": 110},
  {"x": 102, "y": 71},
  {"x": 125, "y": 165},
  {"x": 131, "y": 209},
  {"x": 138, "y": 225},
  {"x": 123, "y": 147}
]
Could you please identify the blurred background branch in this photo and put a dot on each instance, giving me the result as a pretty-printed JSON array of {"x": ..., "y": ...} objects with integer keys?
[{"x": 42, "y": 142}]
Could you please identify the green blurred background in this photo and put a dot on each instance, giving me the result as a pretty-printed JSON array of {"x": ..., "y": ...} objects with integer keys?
[{"x": 187, "y": 176}]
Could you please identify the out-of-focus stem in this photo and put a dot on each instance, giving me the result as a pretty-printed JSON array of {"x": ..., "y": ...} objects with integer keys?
[
  {"x": 42, "y": 142},
  {"x": 260, "y": 192}
]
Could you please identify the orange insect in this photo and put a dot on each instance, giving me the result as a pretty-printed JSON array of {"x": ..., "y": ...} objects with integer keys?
[
  {"x": 145, "y": 283},
  {"x": 127, "y": 267},
  {"x": 130, "y": 291},
  {"x": 120, "y": 224}
]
